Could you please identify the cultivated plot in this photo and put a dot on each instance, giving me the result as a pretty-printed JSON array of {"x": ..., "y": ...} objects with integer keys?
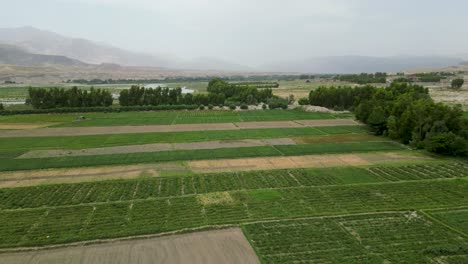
[{"x": 381, "y": 238}]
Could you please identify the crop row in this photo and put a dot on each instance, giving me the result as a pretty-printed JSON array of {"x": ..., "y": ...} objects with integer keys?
[
  {"x": 199, "y": 154},
  {"x": 380, "y": 238},
  {"x": 421, "y": 171},
  {"x": 43, "y": 226},
  {"x": 124, "y": 190}
]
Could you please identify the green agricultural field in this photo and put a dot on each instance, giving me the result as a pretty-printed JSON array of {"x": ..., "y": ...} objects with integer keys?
[
  {"x": 455, "y": 218},
  {"x": 373, "y": 238},
  {"x": 167, "y": 117},
  {"x": 10, "y": 164},
  {"x": 125, "y": 190},
  {"x": 63, "y": 224},
  {"x": 369, "y": 209},
  {"x": 79, "y": 142}
]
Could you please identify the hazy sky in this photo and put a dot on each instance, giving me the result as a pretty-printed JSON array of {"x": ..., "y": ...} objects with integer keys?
[{"x": 254, "y": 31}]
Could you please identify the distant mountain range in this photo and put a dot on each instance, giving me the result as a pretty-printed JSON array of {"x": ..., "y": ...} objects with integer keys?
[
  {"x": 10, "y": 54},
  {"x": 35, "y": 47},
  {"x": 49, "y": 43}
]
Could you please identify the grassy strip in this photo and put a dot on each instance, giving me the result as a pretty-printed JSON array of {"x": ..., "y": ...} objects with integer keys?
[
  {"x": 79, "y": 142},
  {"x": 168, "y": 117},
  {"x": 376, "y": 238},
  {"x": 124, "y": 190},
  {"x": 150, "y": 157},
  {"x": 86, "y": 222}
]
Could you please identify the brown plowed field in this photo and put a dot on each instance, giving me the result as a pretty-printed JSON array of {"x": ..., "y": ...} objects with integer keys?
[
  {"x": 83, "y": 174},
  {"x": 308, "y": 161},
  {"x": 207, "y": 247}
]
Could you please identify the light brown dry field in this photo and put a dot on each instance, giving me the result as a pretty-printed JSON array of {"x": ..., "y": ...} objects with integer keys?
[
  {"x": 450, "y": 96},
  {"x": 76, "y": 131},
  {"x": 84, "y": 174},
  {"x": 216, "y": 144},
  {"x": 307, "y": 161},
  {"x": 206, "y": 247}
]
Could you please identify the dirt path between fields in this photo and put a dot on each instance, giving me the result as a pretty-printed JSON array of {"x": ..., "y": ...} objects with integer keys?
[
  {"x": 206, "y": 247},
  {"x": 216, "y": 144},
  {"x": 25, "y": 126},
  {"x": 77, "y": 131}
]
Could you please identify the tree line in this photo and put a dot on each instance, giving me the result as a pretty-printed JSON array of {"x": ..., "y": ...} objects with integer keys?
[
  {"x": 42, "y": 98},
  {"x": 219, "y": 92},
  {"x": 403, "y": 112},
  {"x": 363, "y": 78},
  {"x": 138, "y": 95}
]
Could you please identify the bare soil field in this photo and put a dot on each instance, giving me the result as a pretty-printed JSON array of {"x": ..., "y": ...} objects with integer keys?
[
  {"x": 216, "y": 144},
  {"x": 207, "y": 247},
  {"x": 83, "y": 174},
  {"x": 308, "y": 161},
  {"x": 76, "y": 131}
]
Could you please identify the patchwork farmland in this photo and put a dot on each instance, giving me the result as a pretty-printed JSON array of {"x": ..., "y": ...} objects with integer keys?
[{"x": 285, "y": 186}]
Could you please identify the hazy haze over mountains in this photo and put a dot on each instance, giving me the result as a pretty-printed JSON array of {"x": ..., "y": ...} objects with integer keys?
[
  {"x": 32, "y": 46},
  {"x": 300, "y": 35}
]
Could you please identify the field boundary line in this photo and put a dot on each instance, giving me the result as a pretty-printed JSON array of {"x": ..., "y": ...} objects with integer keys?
[{"x": 435, "y": 219}]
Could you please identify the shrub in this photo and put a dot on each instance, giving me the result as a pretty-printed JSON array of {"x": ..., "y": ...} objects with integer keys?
[
  {"x": 232, "y": 106},
  {"x": 275, "y": 103},
  {"x": 264, "y": 106},
  {"x": 303, "y": 101},
  {"x": 244, "y": 107},
  {"x": 210, "y": 106},
  {"x": 201, "y": 107}
]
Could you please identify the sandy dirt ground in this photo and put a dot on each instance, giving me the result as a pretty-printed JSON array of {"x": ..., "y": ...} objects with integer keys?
[
  {"x": 216, "y": 144},
  {"x": 84, "y": 174},
  {"x": 25, "y": 126},
  {"x": 76, "y": 131},
  {"x": 207, "y": 247},
  {"x": 308, "y": 161}
]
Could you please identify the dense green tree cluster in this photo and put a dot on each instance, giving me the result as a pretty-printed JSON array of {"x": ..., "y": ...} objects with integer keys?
[
  {"x": 341, "y": 97},
  {"x": 457, "y": 83},
  {"x": 42, "y": 98},
  {"x": 404, "y": 112},
  {"x": 363, "y": 78},
  {"x": 235, "y": 93},
  {"x": 137, "y": 95}
]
